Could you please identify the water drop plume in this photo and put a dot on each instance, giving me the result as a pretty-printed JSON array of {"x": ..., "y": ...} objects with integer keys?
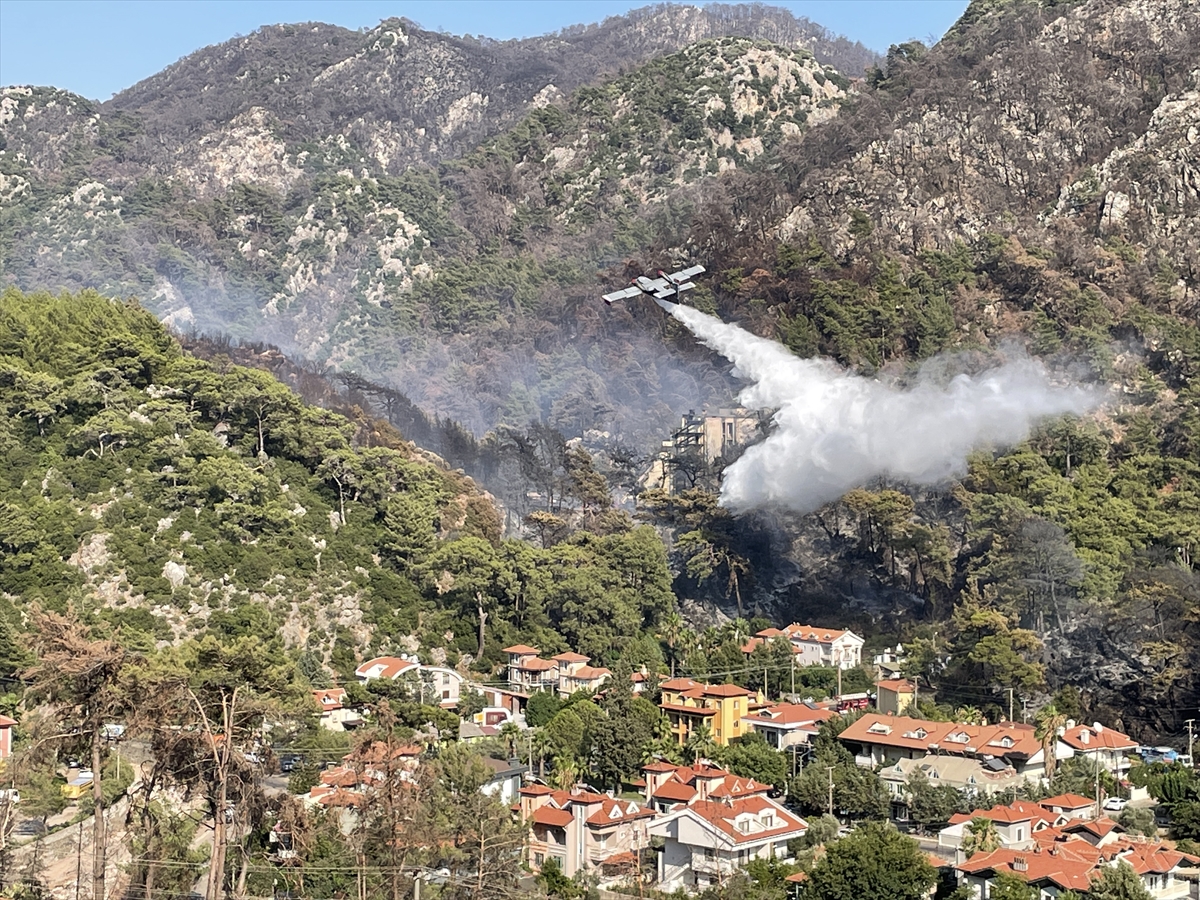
[{"x": 834, "y": 430}]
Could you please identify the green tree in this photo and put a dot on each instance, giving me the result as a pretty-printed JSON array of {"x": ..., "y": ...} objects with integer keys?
[
  {"x": 1119, "y": 882},
  {"x": 542, "y": 707},
  {"x": 752, "y": 757},
  {"x": 874, "y": 860},
  {"x": 980, "y": 836},
  {"x": 1010, "y": 887}
]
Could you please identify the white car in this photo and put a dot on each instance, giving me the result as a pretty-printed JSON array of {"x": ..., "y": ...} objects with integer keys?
[{"x": 1115, "y": 804}]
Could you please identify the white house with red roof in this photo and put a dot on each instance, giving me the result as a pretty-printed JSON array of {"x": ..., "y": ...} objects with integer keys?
[
  {"x": 1106, "y": 746},
  {"x": 580, "y": 829},
  {"x": 706, "y": 841},
  {"x": 436, "y": 684},
  {"x": 668, "y": 785},
  {"x": 574, "y": 673},
  {"x": 877, "y": 739},
  {"x": 787, "y": 725},
  {"x": 815, "y": 646},
  {"x": 335, "y": 715},
  {"x": 1015, "y": 823},
  {"x": 1069, "y": 857},
  {"x": 528, "y": 672}
]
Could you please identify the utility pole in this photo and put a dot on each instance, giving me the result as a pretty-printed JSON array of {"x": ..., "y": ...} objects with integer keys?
[
  {"x": 1010, "y": 704},
  {"x": 839, "y": 671},
  {"x": 793, "y": 676},
  {"x": 1191, "y": 725},
  {"x": 1024, "y": 711},
  {"x": 830, "y": 768},
  {"x": 79, "y": 856}
]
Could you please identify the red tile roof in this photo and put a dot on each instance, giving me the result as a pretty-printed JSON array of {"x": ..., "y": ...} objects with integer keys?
[
  {"x": 384, "y": 667},
  {"x": 675, "y": 791},
  {"x": 522, "y": 650},
  {"x": 1062, "y": 867},
  {"x": 614, "y": 812},
  {"x": 1066, "y": 801},
  {"x": 552, "y": 815},
  {"x": 659, "y": 766},
  {"x": 1096, "y": 737},
  {"x": 723, "y": 814},
  {"x": 537, "y": 665},
  {"x": 811, "y": 633},
  {"x": 679, "y": 684},
  {"x": 898, "y": 685},
  {"x": 535, "y": 790},
  {"x": 571, "y": 656},
  {"x": 1004, "y": 739},
  {"x": 727, "y": 690},
  {"x": 590, "y": 673},
  {"x": 328, "y": 698}
]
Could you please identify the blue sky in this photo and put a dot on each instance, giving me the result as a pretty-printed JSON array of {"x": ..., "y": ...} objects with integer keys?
[{"x": 99, "y": 47}]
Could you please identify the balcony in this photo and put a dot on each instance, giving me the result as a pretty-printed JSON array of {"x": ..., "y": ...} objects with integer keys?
[{"x": 706, "y": 865}]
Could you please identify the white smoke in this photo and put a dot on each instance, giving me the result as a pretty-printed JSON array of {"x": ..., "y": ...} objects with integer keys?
[{"x": 835, "y": 430}]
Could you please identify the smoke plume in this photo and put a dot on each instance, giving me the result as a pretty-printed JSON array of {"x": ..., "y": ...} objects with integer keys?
[{"x": 835, "y": 430}]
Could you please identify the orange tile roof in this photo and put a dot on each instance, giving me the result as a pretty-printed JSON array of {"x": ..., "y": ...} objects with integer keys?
[
  {"x": 734, "y": 786},
  {"x": 1061, "y": 867},
  {"x": 783, "y": 714},
  {"x": 614, "y": 812},
  {"x": 522, "y": 650},
  {"x": 1004, "y": 739},
  {"x": 6, "y": 722},
  {"x": 535, "y": 790},
  {"x": 340, "y": 777},
  {"x": 659, "y": 766},
  {"x": 811, "y": 633},
  {"x": 570, "y": 656},
  {"x": 1067, "y": 801},
  {"x": 1091, "y": 737},
  {"x": 552, "y": 815},
  {"x": 727, "y": 690},
  {"x": 722, "y": 815},
  {"x": 329, "y": 698},
  {"x": 674, "y": 791},
  {"x": 679, "y": 684},
  {"x": 898, "y": 685},
  {"x": 591, "y": 673},
  {"x": 384, "y": 667},
  {"x": 537, "y": 665}
]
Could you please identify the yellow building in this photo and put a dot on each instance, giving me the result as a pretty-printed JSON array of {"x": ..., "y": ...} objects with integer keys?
[
  {"x": 895, "y": 696},
  {"x": 690, "y": 704}
]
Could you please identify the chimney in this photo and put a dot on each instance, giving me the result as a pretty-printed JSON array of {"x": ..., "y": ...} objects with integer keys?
[
  {"x": 1020, "y": 864},
  {"x": 1085, "y": 736}
]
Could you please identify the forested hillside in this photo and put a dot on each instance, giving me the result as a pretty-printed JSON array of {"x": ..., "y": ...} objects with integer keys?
[
  {"x": 166, "y": 498},
  {"x": 1031, "y": 178}
]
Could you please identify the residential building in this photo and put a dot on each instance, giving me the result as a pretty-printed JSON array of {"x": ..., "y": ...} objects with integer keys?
[
  {"x": 979, "y": 778},
  {"x": 6, "y": 736},
  {"x": 721, "y": 707},
  {"x": 1064, "y": 861},
  {"x": 574, "y": 674},
  {"x": 890, "y": 660},
  {"x": 786, "y": 725},
  {"x": 505, "y": 781},
  {"x": 881, "y": 740},
  {"x": 705, "y": 841},
  {"x": 1073, "y": 806},
  {"x": 814, "y": 646},
  {"x": 435, "y": 684},
  {"x": 1106, "y": 746},
  {"x": 668, "y": 785},
  {"x": 527, "y": 672},
  {"x": 895, "y": 696},
  {"x": 685, "y": 461},
  {"x": 1015, "y": 825},
  {"x": 335, "y": 715},
  {"x": 580, "y": 829}
]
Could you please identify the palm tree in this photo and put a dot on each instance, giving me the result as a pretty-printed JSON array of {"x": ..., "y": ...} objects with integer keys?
[
  {"x": 509, "y": 733},
  {"x": 980, "y": 837},
  {"x": 699, "y": 744},
  {"x": 566, "y": 772},
  {"x": 672, "y": 628},
  {"x": 541, "y": 746},
  {"x": 1047, "y": 722},
  {"x": 969, "y": 715}
]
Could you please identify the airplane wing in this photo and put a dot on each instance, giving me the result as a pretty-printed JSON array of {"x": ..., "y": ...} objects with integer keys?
[
  {"x": 685, "y": 274},
  {"x": 673, "y": 289},
  {"x": 625, "y": 294}
]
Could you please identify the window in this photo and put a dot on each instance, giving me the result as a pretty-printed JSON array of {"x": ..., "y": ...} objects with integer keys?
[
  {"x": 539, "y": 859},
  {"x": 604, "y": 842},
  {"x": 1020, "y": 833},
  {"x": 708, "y": 852},
  {"x": 445, "y": 679}
]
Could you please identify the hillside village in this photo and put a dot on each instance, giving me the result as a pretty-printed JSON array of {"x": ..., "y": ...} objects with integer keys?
[{"x": 687, "y": 823}]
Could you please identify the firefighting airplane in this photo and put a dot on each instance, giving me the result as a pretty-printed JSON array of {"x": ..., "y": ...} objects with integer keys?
[{"x": 660, "y": 288}]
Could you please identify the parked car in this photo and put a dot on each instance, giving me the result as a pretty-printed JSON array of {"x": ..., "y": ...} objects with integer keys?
[
  {"x": 1115, "y": 804},
  {"x": 288, "y": 763}
]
